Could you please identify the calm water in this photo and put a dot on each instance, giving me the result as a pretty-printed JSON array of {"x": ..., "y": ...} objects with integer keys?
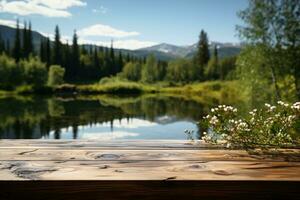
[{"x": 105, "y": 117}]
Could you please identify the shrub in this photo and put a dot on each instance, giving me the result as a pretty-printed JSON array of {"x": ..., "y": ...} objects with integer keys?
[
  {"x": 182, "y": 70},
  {"x": 10, "y": 74},
  {"x": 271, "y": 126},
  {"x": 132, "y": 71},
  {"x": 56, "y": 75},
  {"x": 35, "y": 72}
]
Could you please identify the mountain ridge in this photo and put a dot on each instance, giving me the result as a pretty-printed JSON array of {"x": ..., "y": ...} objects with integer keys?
[{"x": 163, "y": 51}]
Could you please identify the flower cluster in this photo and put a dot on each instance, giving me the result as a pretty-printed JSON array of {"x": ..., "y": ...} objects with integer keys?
[{"x": 270, "y": 126}]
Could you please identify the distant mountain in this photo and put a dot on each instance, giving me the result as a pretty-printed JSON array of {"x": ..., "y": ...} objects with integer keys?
[
  {"x": 225, "y": 49},
  {"x": 162, "y": 51},
  {"x": 8, "y": 34}
]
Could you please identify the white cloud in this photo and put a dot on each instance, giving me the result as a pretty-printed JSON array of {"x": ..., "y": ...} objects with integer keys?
[
  {"x": 10, "y": 23},
  {"x": 63, "y": 38},
  {"x": 124, "y": 123},
  {"x": 60, "y": 4},
  {"x": 106, "y": 31},
  {"x": 108, "y": 135},
  {"x": 120, "y": 44},
  {"x": 53, "y": 8},
  {"x": 102, "y": 10}
]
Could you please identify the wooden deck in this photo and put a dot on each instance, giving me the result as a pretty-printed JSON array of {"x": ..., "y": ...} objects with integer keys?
[{"x": 141, "y": 169}]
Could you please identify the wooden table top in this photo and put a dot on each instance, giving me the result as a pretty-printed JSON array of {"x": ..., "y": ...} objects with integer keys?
[{"x": 142, "y": 160}]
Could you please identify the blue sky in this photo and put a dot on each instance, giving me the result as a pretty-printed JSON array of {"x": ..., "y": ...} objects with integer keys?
[{"x": 130, "y": 23}]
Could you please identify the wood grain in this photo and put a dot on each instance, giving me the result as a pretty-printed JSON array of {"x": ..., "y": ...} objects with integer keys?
[
  {"x": 143, "y": 170},
  {"x": 140, "y": 160}
]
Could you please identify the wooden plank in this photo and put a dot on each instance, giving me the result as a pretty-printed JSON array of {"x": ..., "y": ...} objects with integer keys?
[
  {"x": 99, "y": 144},
  {"x": 149, "y": 170},
  {"x": 65, "y": 154},
  {"x": 146, "y": 190}
]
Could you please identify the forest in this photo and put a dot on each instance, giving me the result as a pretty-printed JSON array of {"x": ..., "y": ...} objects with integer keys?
[{"x": 267, "y": 68}]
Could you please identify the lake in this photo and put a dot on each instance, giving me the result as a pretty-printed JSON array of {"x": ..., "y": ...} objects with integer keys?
[{"x": 101, "y": 117}]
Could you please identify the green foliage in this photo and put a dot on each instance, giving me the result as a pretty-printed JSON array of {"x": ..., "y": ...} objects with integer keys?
[
  {"x": 212, "y": 71},
  {"x": 274, "y": 27},
  {"x": 182, "y": 70},
  {"x": 255, "y": 77},
  {"x": 55, "y": 108},
  {"x": 11, "y": 74},
  {"x": 132, "y": 71},
  {"x": 202, "y": 56},
  {"x": 270, "y": 126},
  {"x": 150, "y": 70},
  {"x": 17, "y": 44},
  {"x": 57, "y": 49},
  {"x": 35, "y": 72},
  {"x": 227, "y": 68},
  {"x": 56, "y": 75},
  {"x": 73, "y": 69}
]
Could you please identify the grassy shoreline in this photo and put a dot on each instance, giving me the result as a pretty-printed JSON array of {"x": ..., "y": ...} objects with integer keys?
[{"x": 214, "y": 90}]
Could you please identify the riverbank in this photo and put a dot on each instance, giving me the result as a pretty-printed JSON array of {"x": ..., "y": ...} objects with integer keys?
[{"x": 211, "y": 90}]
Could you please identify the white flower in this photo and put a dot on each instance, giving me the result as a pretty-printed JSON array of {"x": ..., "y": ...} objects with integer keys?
[
  {"x": 214, "y": 120},
  {"x": 267, "y": 105},
  {"x": 291, "y": 118},
  {"x": 280, "y": 103},
  {"x": 273, "y": 108},
  {"x": 228, "y": 145}
]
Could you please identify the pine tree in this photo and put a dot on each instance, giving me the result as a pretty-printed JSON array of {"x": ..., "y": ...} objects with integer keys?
[
  {"x": 212, "y": 70},
  {"x": 42, "y": 51},
  {"x": 96, "y": 65},
  {"x": 7, "y": 47},
  {"x": 17, "y": 45},
  {"x": 120, "y": 62},
  {"x": 25, "y": 42},
  {"x": 66, "y": 60},
  {"x": 128, "y": 58},
  {"x": 202, "y": 56},
  {"x": 113, "y": 68},
  {"x": 48, "y": 53},
  {"x": 216, "y": 53},
  {"x": 30, "y": 40},
  {"x": 57, "y": 48},
  {"x": 75, "y": 57},
  {"x": 2, "y": 44}
]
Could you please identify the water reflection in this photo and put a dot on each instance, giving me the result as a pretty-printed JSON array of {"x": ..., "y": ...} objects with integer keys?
[{"x": 101, "y": 117}]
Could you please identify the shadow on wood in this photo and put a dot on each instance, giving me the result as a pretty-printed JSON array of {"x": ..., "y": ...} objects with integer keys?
[{"x": 143, "y": 190}]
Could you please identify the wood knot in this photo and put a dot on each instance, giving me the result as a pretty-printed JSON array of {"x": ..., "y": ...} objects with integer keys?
[
  {"x": 108, "y": 157},
  {"x": 222, "y": 172}
]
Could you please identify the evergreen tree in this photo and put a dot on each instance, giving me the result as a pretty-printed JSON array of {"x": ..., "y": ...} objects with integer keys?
[
  {"x": 212, "y": 70},
  {"x": 25, "y": 42},
  {"x": 120, "y": 62},
  {"x": 128, "y": 58},
  {"x": 17, "y": 45},
  {"x": 30, "y": 39},
  {"x": 113, "y": 67},
  {"x": 202, "y": 56},
  {"x": 216, "y": 54},
  {"x": 57, "y": 48},
  {"x": 75, "y": 57},
  {"x": 66, "y": 60},
  {"x": 48, "y": 53},
  {"x": 2, "y": 44},
  {"x": 96, "y": 65},
  {"x": 7, "y": 47},
  {"x": 42, "y": 51}
]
